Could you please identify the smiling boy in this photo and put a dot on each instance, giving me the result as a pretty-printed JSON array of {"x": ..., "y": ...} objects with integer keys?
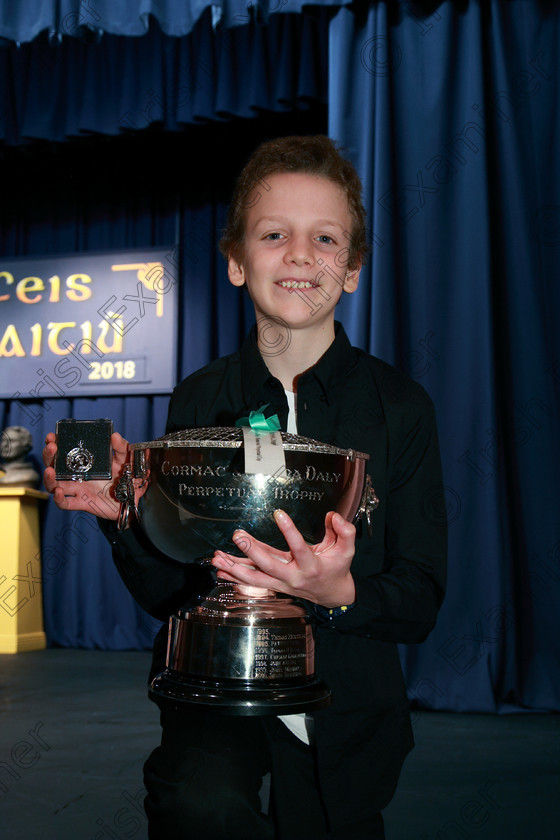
[
  {"x": 287, "y": 261},
  {"x": 295, "y": 239}
]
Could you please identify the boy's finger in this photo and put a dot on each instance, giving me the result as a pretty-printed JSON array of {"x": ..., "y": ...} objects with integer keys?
[
  {"x": 49, "y": 451},
  {"x": 120, "y": 447},
  {"x": 289, "y": 531},
  {"x": 330, "y": 535},
  {"x": 255, "y": 549},
  {"x": 345, "y": 531},
  {"x": 49, "y": 479}
]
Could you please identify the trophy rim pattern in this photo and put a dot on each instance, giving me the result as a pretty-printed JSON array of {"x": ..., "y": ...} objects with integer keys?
[{"x": 231, "y": 437}]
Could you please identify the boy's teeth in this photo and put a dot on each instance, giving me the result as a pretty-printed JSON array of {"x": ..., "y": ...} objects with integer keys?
[{"x": 294, "y": 284}]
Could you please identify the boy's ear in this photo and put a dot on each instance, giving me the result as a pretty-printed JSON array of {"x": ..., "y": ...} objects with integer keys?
[
  {"x": 236, "y": 272},
  {"x": 352, "y": 279}
]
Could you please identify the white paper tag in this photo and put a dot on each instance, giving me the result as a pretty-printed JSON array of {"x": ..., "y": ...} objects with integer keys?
[{"x": 264, "y": 452}]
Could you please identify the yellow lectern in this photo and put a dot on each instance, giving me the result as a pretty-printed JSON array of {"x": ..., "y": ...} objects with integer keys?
[{"x": 21, "y": 591}]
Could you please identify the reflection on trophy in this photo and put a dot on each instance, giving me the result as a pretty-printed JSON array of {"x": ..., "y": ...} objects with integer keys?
[{"x": 240, "y": 649}]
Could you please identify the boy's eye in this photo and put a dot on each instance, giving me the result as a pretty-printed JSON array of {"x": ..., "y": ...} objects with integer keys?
[
  {"x": 325, "y": 240},
  {"x": 273, "y": 236}
]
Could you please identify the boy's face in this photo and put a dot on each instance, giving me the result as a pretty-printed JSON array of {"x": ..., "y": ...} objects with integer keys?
[{"x": 296, "y": 250}]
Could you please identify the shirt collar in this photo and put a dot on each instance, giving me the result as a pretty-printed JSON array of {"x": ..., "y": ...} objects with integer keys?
[{"x": 335, "y": 364}]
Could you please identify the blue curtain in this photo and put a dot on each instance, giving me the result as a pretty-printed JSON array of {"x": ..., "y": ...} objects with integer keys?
[
  {"x": 450, "y": 112},
  {"x": 451, "y": 119},
  {"x": 21, "y": 21},
  {"x": 115, "y": 85}
]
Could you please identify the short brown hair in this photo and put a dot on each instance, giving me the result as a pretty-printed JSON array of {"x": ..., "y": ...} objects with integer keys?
[{"x": 312, "y": 155}]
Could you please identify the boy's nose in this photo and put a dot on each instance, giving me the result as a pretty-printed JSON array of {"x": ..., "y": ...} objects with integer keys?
[{"x": 300, "y": 251}]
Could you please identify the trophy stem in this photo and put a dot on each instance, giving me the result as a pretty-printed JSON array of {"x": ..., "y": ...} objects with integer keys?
[
  {"x": 255, "y": 592},
  {"x": 226, "y": 591}
]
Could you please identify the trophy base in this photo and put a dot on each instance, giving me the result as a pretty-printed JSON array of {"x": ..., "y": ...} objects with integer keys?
[
  {"x": 239, "y": 697},
  {"x": 242, "y": 651}
]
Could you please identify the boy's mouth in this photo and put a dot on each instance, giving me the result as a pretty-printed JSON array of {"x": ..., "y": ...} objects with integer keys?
[{"x": 297, "y": 284}]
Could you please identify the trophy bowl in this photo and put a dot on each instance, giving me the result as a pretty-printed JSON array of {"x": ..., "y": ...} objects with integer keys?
[{"x": 240, "y": 649}]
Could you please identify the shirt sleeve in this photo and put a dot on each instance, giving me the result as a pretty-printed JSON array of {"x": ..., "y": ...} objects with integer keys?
[
  {"x": 157, "y": 583},
  {"x": 400, "y": 603}
]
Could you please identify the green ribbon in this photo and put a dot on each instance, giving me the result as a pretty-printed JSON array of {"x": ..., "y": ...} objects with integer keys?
[{"x": 259, "y": 423}]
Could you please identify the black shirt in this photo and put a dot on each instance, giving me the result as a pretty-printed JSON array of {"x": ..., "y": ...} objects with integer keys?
[{"x": 352, "y": 400}]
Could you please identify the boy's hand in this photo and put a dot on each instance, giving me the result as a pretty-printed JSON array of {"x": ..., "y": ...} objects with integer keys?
[
  {"x": 95, "y": 497},
  {"x": 319, "y": 573}
]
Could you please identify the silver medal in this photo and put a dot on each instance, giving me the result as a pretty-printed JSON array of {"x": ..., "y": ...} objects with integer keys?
[{"x": 79, "y": 459}]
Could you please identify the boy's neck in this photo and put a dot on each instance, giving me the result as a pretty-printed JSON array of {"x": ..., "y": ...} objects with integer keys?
[{"x": 304, "y": 350}]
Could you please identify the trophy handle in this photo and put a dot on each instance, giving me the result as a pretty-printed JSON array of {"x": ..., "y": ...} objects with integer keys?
[
  {"x": 124, "y": 493},
  {"x": 368, "y": 504}
]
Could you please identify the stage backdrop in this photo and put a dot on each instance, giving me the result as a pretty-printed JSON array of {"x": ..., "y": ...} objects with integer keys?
[
  {"x": 83, "y": 324},
  {"x": 450, "y": 115}
]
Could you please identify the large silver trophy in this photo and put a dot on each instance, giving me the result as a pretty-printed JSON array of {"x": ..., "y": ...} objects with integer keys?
[{"x": 240, "y": 649}]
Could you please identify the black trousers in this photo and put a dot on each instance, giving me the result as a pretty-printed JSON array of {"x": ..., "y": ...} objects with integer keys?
[{"x": 204, "y": 780}]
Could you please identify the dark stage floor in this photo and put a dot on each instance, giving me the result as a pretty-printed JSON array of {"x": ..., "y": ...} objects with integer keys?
[{"x": 76, "y": 727}]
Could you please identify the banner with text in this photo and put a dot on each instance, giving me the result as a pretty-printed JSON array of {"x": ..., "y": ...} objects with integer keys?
[{"x": 88, "y": 324}]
